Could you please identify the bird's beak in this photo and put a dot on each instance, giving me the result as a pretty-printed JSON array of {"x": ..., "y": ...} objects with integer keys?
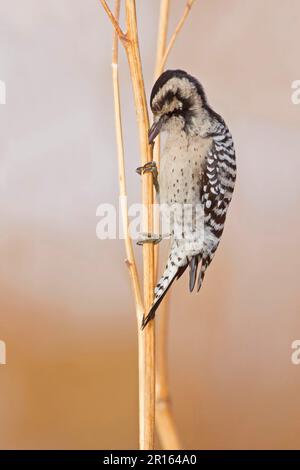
[{"x": 155, "y": 130}]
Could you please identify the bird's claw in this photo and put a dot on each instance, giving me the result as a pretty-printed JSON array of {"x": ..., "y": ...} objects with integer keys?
[
  {"x": 149, "y": 167},
  {"x": 149, "y": 238}
]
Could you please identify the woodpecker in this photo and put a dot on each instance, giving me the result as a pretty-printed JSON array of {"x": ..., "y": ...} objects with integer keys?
[{"x": 197, "y": 173}]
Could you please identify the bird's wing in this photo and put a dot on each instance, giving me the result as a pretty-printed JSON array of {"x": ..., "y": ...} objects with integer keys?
[
  {"x": 216, "y": 192},
  {"x": 219, "y": 173}
]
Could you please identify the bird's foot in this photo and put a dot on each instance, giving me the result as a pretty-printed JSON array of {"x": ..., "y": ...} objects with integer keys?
[
  {"x": 150, "y": 167},
  {"x": 149, "y": 238}
]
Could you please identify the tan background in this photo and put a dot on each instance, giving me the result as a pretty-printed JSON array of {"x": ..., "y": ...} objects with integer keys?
[{"x": 66, "y": 307}]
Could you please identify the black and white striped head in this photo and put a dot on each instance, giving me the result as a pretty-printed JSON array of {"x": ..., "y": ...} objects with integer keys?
[{"x": 177, "y": 101}]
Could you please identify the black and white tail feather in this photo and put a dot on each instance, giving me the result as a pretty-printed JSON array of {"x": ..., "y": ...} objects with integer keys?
[{"x": 175, "y": 267}]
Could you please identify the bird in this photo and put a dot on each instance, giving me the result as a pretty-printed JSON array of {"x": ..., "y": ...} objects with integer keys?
[{"x": 197, "y": 173}]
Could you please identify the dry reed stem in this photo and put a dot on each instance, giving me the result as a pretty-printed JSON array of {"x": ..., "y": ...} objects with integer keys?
[
  {"x": 114, "y": 20},
  {"x": 146, "y": 338},
  {"x": 181, "y": 22},
  {"x": 162, "y": 36},
  {"x": 130, "y": 258}
]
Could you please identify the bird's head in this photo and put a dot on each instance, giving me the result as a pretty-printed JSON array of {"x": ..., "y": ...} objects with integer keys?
[{"x": 177, "y": 101}]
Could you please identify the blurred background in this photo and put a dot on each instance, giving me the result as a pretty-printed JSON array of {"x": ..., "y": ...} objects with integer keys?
[{"x": 67, "y": 313}]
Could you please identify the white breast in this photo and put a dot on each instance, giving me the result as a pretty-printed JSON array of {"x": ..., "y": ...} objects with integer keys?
[{"x": 181, "y": 168}]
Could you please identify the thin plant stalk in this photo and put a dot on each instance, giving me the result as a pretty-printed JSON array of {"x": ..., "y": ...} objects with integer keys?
[
  {"x": 146, "y": 337},
  {"x": 180, "y": 24},
  {"x": 130, "y": 258}
]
